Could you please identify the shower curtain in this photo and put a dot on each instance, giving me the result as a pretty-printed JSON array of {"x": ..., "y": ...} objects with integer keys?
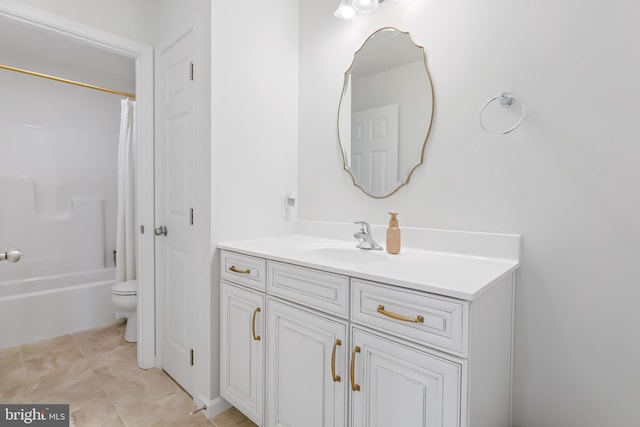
[{"x": 125, "y": 239}]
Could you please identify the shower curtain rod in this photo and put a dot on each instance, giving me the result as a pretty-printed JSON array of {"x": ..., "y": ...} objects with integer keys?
[{"x": 59, "y": 79}]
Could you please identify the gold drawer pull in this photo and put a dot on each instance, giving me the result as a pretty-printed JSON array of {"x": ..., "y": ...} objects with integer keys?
[
  {"x": 354, "y": 386},
  {"x": 418, "y": 319},
  {"x": 336, "y": 378},
  {"x": 235, "y": 270},
  {"x": 253, "y": 324}
]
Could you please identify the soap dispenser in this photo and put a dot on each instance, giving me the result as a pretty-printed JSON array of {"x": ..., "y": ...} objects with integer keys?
[{"x": 393, "y": 234}]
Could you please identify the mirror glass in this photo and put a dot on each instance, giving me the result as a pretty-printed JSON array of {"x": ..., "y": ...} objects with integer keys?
[{"x": 385, "y": 112}]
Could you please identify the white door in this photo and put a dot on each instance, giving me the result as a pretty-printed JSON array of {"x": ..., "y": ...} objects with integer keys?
[
  {"x": 242, "y": 342},
  {"x": 306, "y": 368},
  {"x": 398, "y": 385},
  {"x": 374, "y": 149},
  {"x": 174, "y": 152}
]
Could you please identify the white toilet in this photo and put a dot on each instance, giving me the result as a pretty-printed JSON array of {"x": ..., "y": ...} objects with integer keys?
[{"x": 125, "y": 301}]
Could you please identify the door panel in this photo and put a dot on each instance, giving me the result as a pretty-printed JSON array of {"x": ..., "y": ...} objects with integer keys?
[
  {"x": 175, "y": 159},
  {"x": 177, "y": 324},
  {"x": 176, "y": 177}
]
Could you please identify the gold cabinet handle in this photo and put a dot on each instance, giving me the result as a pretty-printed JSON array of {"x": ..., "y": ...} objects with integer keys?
[
  {"x": 235, "y": 270},
  {"x": 336, "y": 378},
  {"x": 253, "y": 324},
  {"x": 418, "y": 319},
  {"x": 354, "y": 386}
]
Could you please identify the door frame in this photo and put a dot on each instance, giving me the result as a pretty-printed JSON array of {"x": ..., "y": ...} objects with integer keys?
[{"x": 144, "y": 132}]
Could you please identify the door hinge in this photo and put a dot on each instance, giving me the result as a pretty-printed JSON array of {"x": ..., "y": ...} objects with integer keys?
[
  {"x": 191, "y": 71},
  {"x": 142, "y": 229},
  {"x": 191, "y": 357},
  {"x": 191, "y": 220}
]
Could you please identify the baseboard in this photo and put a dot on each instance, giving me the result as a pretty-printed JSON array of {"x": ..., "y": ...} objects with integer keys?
[{"x": 214, "y": 407}]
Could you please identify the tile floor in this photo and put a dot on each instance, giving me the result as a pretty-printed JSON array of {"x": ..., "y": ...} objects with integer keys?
[{"x": 95, "y": 372}]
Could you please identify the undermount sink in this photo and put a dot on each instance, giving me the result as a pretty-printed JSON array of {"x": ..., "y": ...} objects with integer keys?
[{"x": 353, "y": 255}]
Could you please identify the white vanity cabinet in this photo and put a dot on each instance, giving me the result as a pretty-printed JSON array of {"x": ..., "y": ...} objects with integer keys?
[
  {"x": 306, "y": 368},
  {"x": 344, "y": 347},
  {"x": 396, "y": 372},
  {"x": 242, "y": 358},
  {"x": 307, "y": 329},
  {"x": 396, "y": 384},
  {"x": 241, "y": 335}
]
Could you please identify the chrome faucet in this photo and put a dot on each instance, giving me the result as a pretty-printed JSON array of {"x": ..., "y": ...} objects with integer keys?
[{"x": 365, "y": 238}]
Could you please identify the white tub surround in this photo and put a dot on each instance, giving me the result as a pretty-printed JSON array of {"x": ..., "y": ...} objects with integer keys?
[
  {"x": 49, "y": 306},
  {"x": 364, "y": 337},
  {"x": 68, "y": 242}
]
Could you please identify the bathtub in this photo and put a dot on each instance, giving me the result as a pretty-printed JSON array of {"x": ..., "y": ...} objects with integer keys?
[{"x": 49, "y": 306}]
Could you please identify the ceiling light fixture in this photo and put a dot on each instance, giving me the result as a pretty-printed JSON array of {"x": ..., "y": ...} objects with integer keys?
[
  {"x": 365, "y": 6},
  {"x": 349, "y": 8}
]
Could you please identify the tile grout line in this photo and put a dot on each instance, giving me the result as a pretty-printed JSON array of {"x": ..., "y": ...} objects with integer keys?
[
  {"x": 24, "y": 372},
  {"x": 75, "y": 343}
]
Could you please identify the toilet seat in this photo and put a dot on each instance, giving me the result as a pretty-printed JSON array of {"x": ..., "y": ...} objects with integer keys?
[{"x": 129, "y": 287}]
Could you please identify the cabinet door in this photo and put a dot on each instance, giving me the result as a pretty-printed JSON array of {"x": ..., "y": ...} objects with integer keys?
[
  {"x": 242, "y": 349},
  {"x": 306, "y": 368},
  {"x": 395, "y": 384}
]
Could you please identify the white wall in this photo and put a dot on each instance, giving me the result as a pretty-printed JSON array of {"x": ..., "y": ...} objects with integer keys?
[
  {"x": 566, "y": 180},
  {"x": 254, "y": 116}
]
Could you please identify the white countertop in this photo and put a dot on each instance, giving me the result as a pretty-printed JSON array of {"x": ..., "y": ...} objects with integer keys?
[{"x": 445, "y": 273}]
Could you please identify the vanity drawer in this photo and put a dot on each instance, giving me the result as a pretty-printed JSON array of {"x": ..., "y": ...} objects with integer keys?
[
  {"x": 434, "y": 320},
  {"x": 243, "y": 269},
  {"x": 324, "y": 291}
]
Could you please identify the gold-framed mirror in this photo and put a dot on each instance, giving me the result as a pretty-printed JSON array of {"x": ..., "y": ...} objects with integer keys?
[{"x": 385, "y": 112}]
